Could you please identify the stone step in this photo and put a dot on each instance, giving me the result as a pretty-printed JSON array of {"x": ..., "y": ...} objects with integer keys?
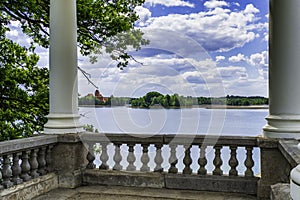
[{"x": 135, "y": 193}]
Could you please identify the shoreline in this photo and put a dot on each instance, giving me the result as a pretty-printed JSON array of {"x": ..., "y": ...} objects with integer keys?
[{"x": 236, "y": 107}]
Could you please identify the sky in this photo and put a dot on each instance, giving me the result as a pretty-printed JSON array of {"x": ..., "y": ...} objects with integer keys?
[{"x": 197, "y": 48}]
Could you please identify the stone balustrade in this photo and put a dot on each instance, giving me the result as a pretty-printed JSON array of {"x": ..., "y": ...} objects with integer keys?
[
  {"x": 25, "y": 159},
  {"x": 179, "y": 146},
  {"x": 249, "y": 165},
  {"x": 213, "y": 158}
]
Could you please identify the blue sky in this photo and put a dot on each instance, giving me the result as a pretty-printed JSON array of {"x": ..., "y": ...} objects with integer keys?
[{"x": 197, "y": 48}]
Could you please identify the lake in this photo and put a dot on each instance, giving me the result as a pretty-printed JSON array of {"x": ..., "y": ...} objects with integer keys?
[{"x": 235, "y": 122}]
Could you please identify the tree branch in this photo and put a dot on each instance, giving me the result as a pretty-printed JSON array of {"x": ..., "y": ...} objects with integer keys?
[{"x": 87, "y": 76}]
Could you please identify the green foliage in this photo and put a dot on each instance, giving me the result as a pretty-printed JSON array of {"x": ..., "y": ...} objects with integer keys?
[
  {"x": 166, "y": 101},
  {"x": 90, "y": 128},
  {"x": 24, "y": 91},
  {"x": 91, "y": 100},
  {"x": 233, "y": 100}
]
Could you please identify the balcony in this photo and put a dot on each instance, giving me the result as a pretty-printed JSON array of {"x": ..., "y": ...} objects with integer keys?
[{"x": 97, "y": 165}]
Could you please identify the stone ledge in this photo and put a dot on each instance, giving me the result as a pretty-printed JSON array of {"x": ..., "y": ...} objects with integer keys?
[
  {"x": 31, "y": 189},
  {"x": 280, "y": 191}
]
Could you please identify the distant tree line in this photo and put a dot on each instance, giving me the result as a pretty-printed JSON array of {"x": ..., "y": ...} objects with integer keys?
[
  {"x": 173, "y": 101},
  {"x": 92, "y": 100},
  {"x": 233, "y": 100}
]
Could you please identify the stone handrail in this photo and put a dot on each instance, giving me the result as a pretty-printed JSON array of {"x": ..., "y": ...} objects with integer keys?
[{"x": 25, "y": 159}]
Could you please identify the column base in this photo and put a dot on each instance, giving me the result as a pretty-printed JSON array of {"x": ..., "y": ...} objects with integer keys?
[
  {"x": 282, "y": 126},
  {"x": 62, "y": 124}
]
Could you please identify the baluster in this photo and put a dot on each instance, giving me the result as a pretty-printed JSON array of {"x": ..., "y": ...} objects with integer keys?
[
  {"x": 90, "y": 156},
  {"x": 16, "y": 169},
  {"x": 49, "y": 158},
  {"x": 104, "y": 157},
  {"x": 249, "y": 163},
  {"x": 25, "y": 166},
  {"x": 173, "y": 160},
  {"x": 33, "y": 164},
  {"x": 6, "y": 172},
  {"x": 131, "y": 158},
  {"x": 42, "y": 161},
  {"x": 218, "y": 161},
  {"x": 145, "y": 158},
  {"x": 117, "y": 157},
  {"x": 158, "y": 158},
  {"x": 187, "y": 160},
  {"x": 233, "y": 162},
  {"x": 1, "y": 183},
  {"x": 202, "y": 161}
]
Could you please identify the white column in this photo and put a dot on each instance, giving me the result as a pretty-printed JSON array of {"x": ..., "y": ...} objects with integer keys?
[
  {"x": 63, "y": 117},
  {"x": 284, "y": 70}
]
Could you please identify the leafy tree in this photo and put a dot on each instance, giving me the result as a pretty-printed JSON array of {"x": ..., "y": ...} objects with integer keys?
[
  {"x": 150, "y": 95},
  {"x": 103, "y": 26},
  {"x": 24, "y": 91}
]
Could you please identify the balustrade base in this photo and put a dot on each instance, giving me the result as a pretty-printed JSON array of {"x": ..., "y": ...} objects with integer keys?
[
  {"x": 243, "y": 185},
  {"x": 32, "y": 188},
  {"x": 236, "y": 184},
  {"x": 119, "y": 178}
]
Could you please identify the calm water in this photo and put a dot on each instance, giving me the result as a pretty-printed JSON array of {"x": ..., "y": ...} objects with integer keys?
[{"x": 237, "y": 122}]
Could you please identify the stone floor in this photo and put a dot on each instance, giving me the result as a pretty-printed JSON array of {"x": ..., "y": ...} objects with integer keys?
[{"x": 133, "y": 193}]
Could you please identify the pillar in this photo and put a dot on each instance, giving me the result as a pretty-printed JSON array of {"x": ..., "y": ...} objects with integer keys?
[
  {"x": 63, "y": 117},
  {"x": 283, "y": 120}
]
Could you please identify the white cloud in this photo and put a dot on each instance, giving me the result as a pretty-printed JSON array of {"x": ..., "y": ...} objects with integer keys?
[
  {"x": 259, "y": 60},
  {"x": 236, "y": 4},
  {"x": 217, "y": 29},
  {"x": 144, "y": 15},
  {"x": 220, "y": 58},
  {"x": 214, "y": 4},
  {"x": 238, "y": 58},
  {"x": 232, "y": 72},
  {"x": 250, "y": 9},
  {"x": 169, "y": 3}
]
